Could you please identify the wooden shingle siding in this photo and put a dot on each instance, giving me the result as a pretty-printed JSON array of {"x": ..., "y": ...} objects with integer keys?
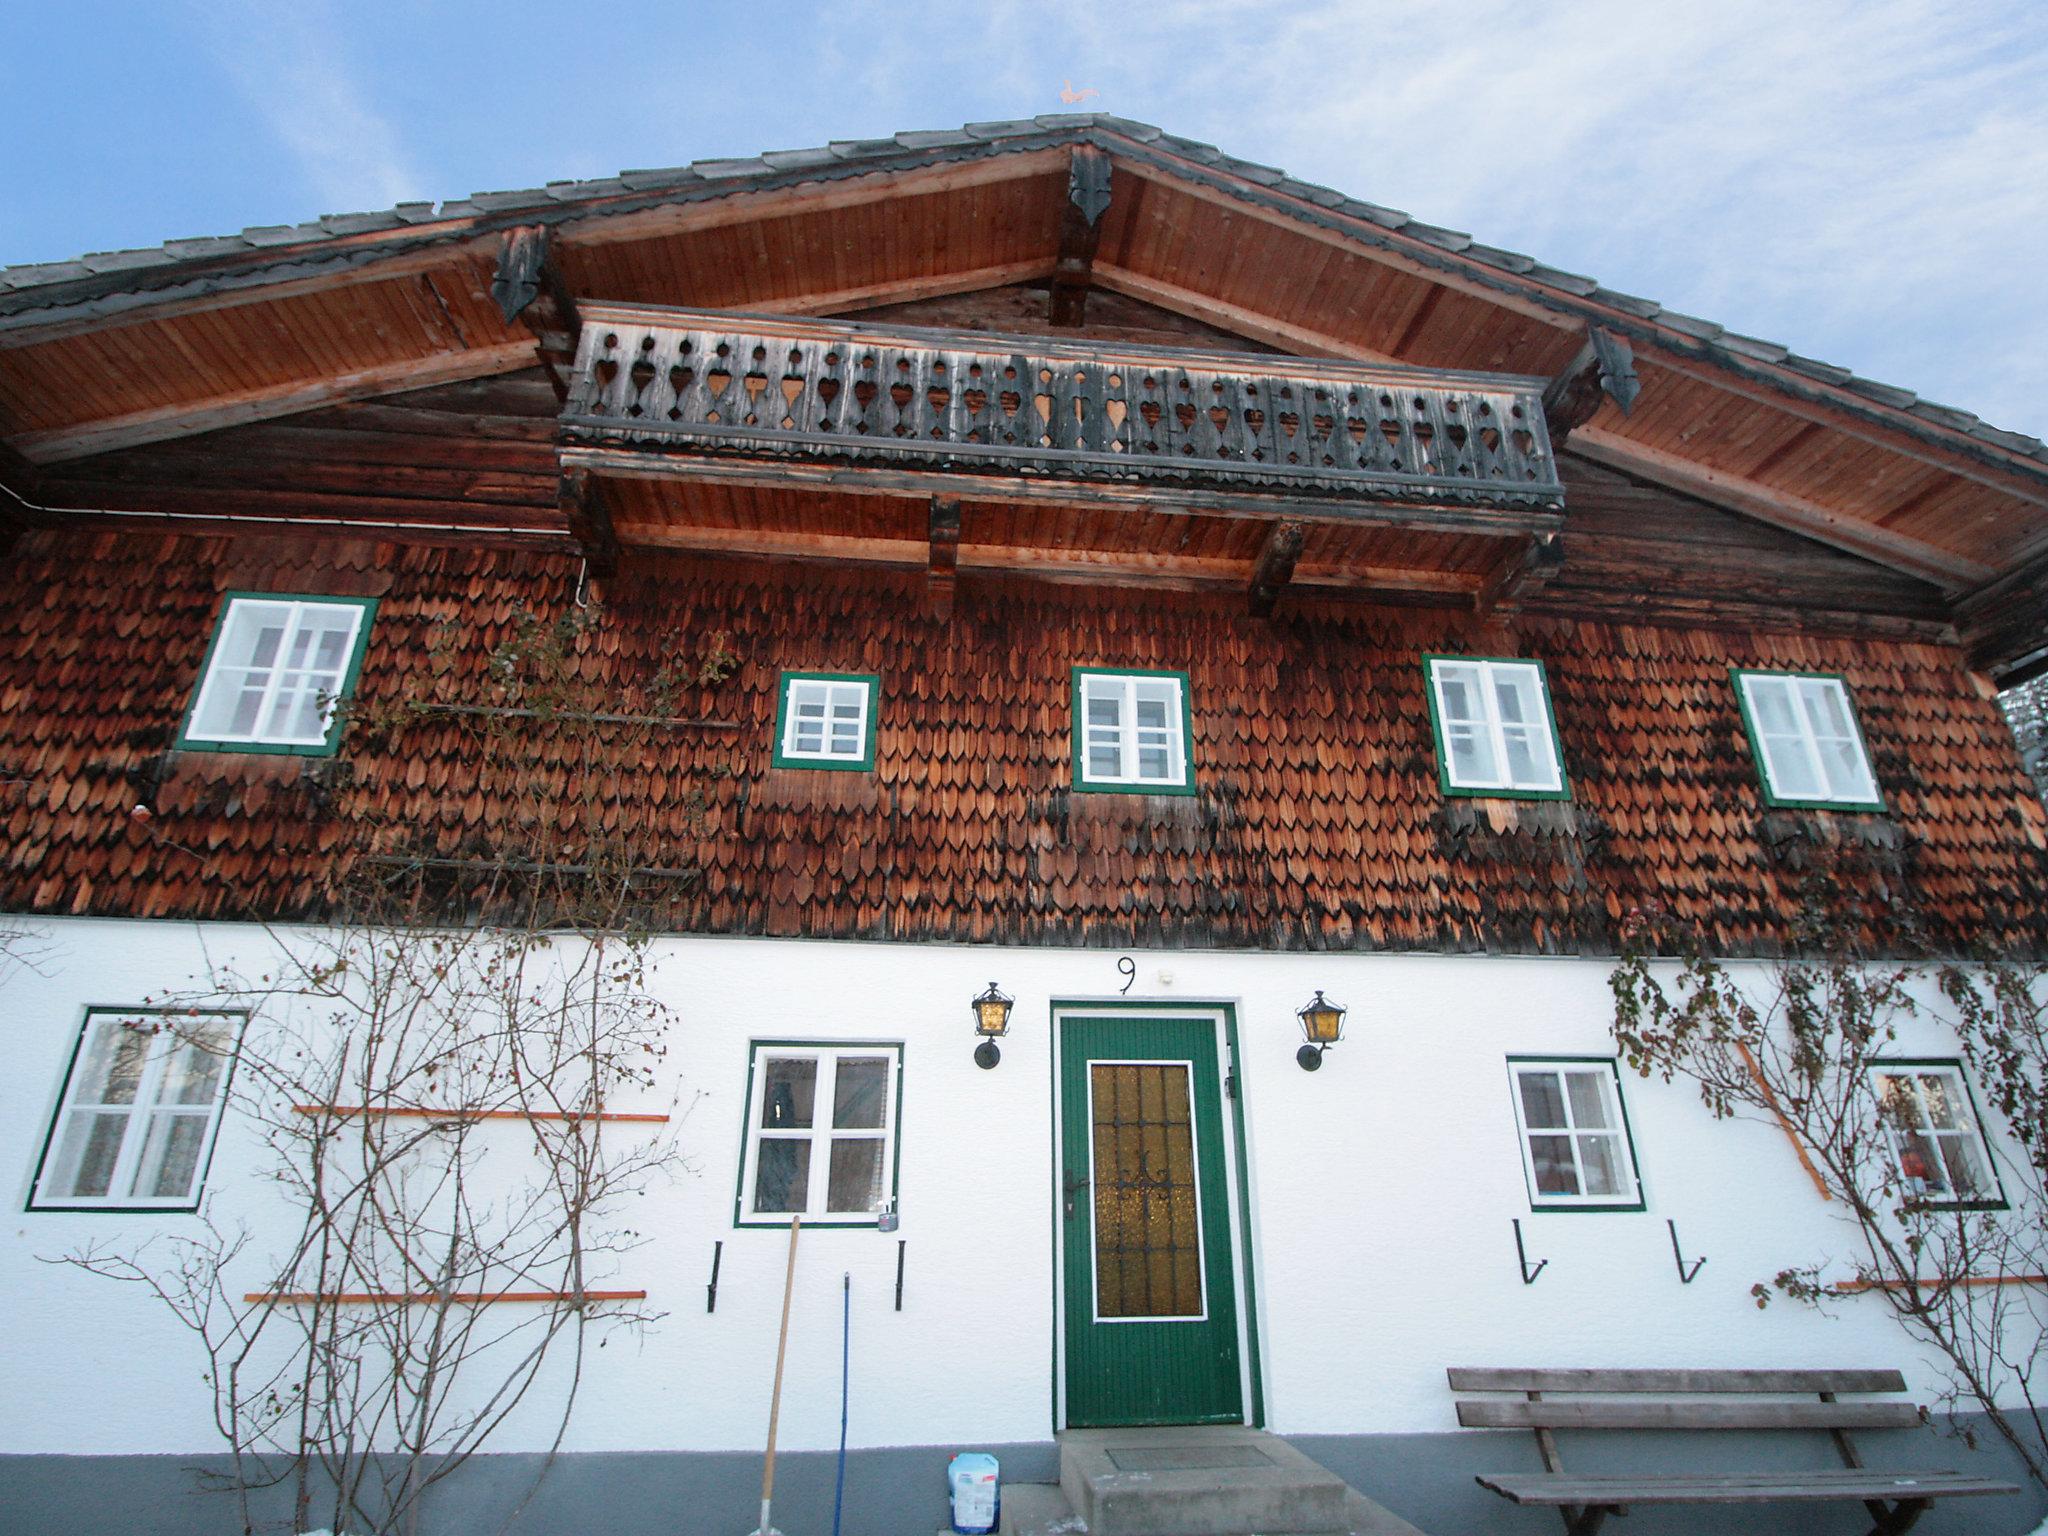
[{"x": 1317, "y": 821}]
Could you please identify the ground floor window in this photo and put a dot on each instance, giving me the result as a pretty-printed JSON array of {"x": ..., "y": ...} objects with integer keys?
[
  {"x": 1576, "y": 1150},
  {"x": 1932, "y": 1128},
  {"x": 141, "y": 1103},
  {"x": 821, "y": 1132}
]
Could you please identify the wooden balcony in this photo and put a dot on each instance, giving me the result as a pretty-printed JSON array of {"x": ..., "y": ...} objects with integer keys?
[{"x": 758, "y": 400}]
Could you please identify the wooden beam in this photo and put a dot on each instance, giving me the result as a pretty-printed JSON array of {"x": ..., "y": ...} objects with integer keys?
[
  {"x": 1297, "y": 340},
  {"x": 1088, "y": 176},
  {"x": 1275, "y": 568},
  {"x": 904, "y": 290},
  {"x": 640, "y": 464},
  {"x": 1843, "y": 531},
  {"x": 56, "y": 444},
  {"x": 590, "y": 521},
  {"x": 944, "y": 557},
  {"x": 1521, "y": 575},
  {"x": 2004, "y": 622},
  {"x": 1603, "y": 369},
  {"x": 529, "y": 287}
]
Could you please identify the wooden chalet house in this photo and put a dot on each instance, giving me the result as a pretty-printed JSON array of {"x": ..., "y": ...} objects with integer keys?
[{"x": 1168, "y": 590}]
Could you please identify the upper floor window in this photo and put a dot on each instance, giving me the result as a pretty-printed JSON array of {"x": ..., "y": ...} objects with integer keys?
[
  {"x": 1494, "y": 731},
  {"x": 821, "y": 1133},
  {"x": 1575, "y": 1143},
  {"x": 1931, "y": 1124},
  {"x": 1131, "y": 732},
  {"x": 278, "y": 667},
  {"x": 1807, "y": 746},
  {"x": 826, "y": 720},
  {"x": 141, "y": 1104}
]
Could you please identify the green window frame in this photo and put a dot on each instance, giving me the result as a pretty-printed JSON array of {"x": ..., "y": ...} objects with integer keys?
[
  {"x": 1493, "y": 678},
  {"x": 1915, "y": 1095},
  {"x": 237, "y": 648},
  {"x": 1573, "y": 1141},
  {"x": 1813, "y": 744},
  {"x": 826, "y": 700},
  {"x": 786, "y": 1143},
  {"x": 158, "y": 1080},
  {"x": 1130, "y": 738}
]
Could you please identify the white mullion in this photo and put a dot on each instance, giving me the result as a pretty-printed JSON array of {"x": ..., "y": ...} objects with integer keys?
[
  {"x": 268, "y": 704},
  {"x": 121, "y": 1186},
  {"x": 818, "y": 1188},
  {"x": 1127, "y": 730},
  {"x": 1489, "y": 701}
]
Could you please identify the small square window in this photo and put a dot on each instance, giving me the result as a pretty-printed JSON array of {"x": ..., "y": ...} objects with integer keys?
[
  {"x": 1936, "y": 1139},
  {"x": 826, "y": 720},
  {"x": 1494, "y": 731},
  {"x": 1576, "y": 1151},
  {"x": 1807, "y": 745},
  {"x": 821, "y": 1133},
  {"x": 1131, "y": 732},
  {"x": 141, "y": 1104},
  {"x": 277, "y": 670}
]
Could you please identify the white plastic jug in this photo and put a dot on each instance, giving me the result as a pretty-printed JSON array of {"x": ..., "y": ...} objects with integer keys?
[{"x": 974, "y": 1478}]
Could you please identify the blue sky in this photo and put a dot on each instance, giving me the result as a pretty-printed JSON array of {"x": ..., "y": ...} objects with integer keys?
[{"x": 1866, "y": 180}]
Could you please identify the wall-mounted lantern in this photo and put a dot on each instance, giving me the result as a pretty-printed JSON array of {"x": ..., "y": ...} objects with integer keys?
[
  {"x": 1322, "y": 1026},
  {"x": 991, "y": 1021}
]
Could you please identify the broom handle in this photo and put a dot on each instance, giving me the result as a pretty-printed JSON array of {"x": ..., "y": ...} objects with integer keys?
[{"x": 775, "y": 1398}]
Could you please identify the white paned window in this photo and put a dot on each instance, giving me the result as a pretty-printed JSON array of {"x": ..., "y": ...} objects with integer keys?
[
  {"x": 1575, "y": 1145},
  {"x": 1494, "y": 731},
  {"x": 139, "y": 1112},
  {"x": 1806, "y": 739},
  {"x": 826, "y": 721},
  {"x": 821, "y": 1134},
  {"x": 1931, "y": 1125},
  {"x": 277, "y": 668},
  {"x": 1132, "y": 730}
]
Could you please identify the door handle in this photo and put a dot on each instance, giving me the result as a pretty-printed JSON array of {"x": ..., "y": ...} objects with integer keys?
[{"x": 1074, "y": 1184}]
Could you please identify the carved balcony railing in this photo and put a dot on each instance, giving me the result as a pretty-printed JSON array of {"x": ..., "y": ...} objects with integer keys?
[{"x": 911, "y": 410}]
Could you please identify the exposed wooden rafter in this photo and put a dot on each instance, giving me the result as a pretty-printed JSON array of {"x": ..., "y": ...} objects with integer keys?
[
  {"x": 1275, "y": 567},
  {"x": 590, "y": 521},
  {"x": 2006, "y": 619},
  {"x": 1523, "y": 573},
  {"x": 1603, "y": 369},
  {"x": 1080, "y": 230},
  {"x": 1894, "y": 550},
  {"x": 186, "y": 420},
  {"x": 944, "y": 557},
  {"x": 529, "y": 287}
]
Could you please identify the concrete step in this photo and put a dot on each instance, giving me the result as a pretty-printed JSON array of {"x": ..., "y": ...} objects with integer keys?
[{"x": 1197, "y": 1481}]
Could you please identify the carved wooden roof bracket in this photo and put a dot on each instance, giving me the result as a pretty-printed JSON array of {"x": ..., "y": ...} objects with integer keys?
[
  {"x": 529, "y": 286},
  {"x": 1605, "y": 368},
  {"x": 1088, "y": 176}
]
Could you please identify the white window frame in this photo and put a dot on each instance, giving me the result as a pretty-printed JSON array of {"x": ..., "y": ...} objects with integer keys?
[
  {"x": 1488, "y": 674},
  {"x": 1603, "y": 1069},
  {"x": 1971, "y": 1132},
  {"x": 1804, "y": 692},
  {"x": 167, "y": 1036},
  {"x": 1126, "y": 686},
  {"x": 833, "y": 690},
  {"x": 295, "y": 610},
  {"x": 820, "y": 1133}
]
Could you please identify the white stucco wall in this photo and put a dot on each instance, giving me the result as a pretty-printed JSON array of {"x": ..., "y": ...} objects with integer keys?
[{"x": 1381, "y": 1192}]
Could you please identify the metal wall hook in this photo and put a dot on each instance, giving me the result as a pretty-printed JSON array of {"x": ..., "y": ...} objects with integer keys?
[
  {"x": 711, "y": 1290},
  {"x": 1685, "y": 1276},
  {"x": 1528, "y": 1275}
]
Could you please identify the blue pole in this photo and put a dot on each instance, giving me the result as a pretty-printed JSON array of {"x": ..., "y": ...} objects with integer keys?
[{"x": 845, "y": 1360}]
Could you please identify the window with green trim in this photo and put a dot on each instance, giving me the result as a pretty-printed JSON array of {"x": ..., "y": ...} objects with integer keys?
[
  {"x": 821, "y": 1133},
  {"x": 1131, "y": 731},
  {"x": 1576, "y": 1152},
  {"x": 142, "y": 1100},
  {"x": 1937, "y": 1144},
  {"x": 277, "y": 671},
  {"x": 1808, "y": 748},
  {"x": 1494, "y": 731},
  {"x": 826, "y": 720}
]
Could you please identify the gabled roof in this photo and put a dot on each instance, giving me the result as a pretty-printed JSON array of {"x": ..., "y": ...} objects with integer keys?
[{"x": 144, "y": 346}]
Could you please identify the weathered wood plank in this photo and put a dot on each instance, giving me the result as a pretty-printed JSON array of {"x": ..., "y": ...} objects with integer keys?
[
  {"x": 1652, "y": 1414},
  {"x": 1566, "y": 1488},
  {"x": 1546, "y": 1379},
  {"x": 944, "y": 558},
  {"x": 590, "y": 521},
  {"x": 1275, "y": 568}
]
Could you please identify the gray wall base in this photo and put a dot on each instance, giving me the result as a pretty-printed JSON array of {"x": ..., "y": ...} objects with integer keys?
[{"x": 1423, "y": 1478}]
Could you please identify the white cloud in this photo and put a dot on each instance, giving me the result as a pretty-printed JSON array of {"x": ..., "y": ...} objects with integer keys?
[{"x": 290, "y": 62}]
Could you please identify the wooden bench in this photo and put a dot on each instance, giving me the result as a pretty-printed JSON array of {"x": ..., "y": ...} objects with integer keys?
[{"x": 1694, "y": 1400}]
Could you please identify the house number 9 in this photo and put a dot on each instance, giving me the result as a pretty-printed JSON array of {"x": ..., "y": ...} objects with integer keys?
[{"x": 1128, "y": 969}]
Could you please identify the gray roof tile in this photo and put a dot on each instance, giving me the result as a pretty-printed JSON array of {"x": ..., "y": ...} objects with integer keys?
[
  {"x": 125, "y": 261},
  {"x": 729, "y": 170}
]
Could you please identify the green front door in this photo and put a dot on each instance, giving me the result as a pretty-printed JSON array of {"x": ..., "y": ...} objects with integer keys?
[{"x": 1151, "y": 1297}]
